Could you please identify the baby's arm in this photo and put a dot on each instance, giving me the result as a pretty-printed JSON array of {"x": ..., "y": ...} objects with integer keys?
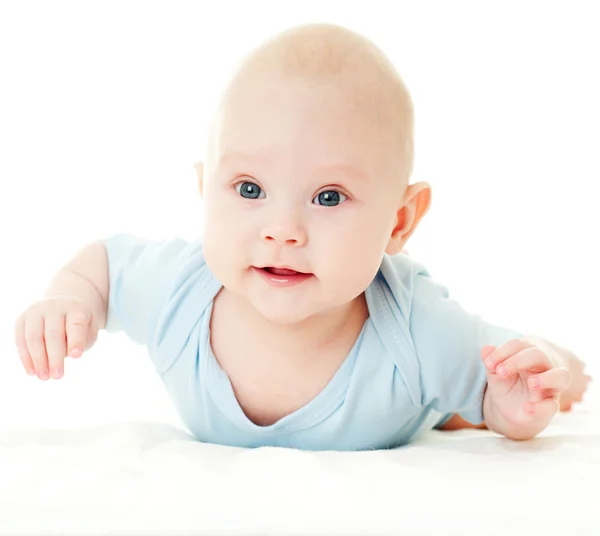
[
  {"x": 85, "y": 277},
  {"x": 124, "y": 283},
  {"x": 452, "y": 344},
  {"x": 66, "y": 321},
  {"x": 561, "y": 357}
]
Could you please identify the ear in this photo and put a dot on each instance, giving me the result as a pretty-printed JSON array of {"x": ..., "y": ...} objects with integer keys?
[
  {"x": 199, "y": 167},
  {"x": 417, "y": 200}
]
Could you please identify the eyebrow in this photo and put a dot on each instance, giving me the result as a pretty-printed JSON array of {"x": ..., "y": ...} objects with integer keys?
[
  {"x": 229, "y": 158},
  {"x": 346, "y": 169}
]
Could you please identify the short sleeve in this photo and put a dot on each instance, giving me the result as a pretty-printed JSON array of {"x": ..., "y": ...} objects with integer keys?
[
  {"x": 448, "y": 341},
  {"x": 141, "y": 278}
]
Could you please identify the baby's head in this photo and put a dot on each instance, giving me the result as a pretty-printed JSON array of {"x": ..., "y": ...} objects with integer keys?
[{"x": 307, "y": 168}]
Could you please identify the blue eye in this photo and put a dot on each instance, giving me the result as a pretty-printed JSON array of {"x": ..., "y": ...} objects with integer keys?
[
  {"x": 249, "y": 190},
  {"x": 330, "y": 198}
]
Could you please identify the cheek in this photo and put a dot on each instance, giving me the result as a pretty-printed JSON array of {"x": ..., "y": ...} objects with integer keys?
[
  {"x": 222, "y": 239},
  {"x": 351, "y": 251},
  {"x": 221, "y": 222}
]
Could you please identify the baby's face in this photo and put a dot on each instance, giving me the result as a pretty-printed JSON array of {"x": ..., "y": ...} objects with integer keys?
[{"x": 299, "y": 176}]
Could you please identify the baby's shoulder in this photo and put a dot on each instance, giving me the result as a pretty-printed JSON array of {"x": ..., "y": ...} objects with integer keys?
[
  {"x": 190, "y": 274},
  {"x": 416, "y": 298},
  {"x": 171, "y": 268},
  {"x": 188, "y": 255},
  {"x": 401, "y": 278},
  {"x": 390, "y": 300},
  {"x": 128, "y": 250}
]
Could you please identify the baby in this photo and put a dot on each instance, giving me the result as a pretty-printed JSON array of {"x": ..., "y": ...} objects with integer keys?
[{"x": 296, "y": 321}]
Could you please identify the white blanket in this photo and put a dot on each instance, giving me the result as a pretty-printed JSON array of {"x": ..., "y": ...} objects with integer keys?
[{"x": 153, "y": 478}]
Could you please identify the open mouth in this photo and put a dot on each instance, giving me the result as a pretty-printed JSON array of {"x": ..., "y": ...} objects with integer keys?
[
  {"x": 282, "y": 271},
  {"x": 282, "y": 277}
]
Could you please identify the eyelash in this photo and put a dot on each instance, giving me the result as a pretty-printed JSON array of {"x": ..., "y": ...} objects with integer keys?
[{"x": 238, "y": 186}]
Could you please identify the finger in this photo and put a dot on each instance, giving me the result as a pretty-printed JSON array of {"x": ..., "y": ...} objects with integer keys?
[
  {"x": 543, "y": 394},
  {"x": 556, "y": 379},
  {"x": 34, "y": 337},
  {"x": 487, "y": 350},
  {"x": 504, "y": 351},
  {"x": 542, "y": 410},
  {"x": 531, "y": 359},
  {"x": 22, "y": 347},
  {"x": 77, "y": 326},
  {"x": 535, "y": 395},
  {"x": 56, "y": 343}
]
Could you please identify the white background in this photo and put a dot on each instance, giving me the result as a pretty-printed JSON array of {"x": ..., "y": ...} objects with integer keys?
[{"x": 104, "y": 109}]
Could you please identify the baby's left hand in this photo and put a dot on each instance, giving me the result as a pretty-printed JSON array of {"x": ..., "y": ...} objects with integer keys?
[{"x": 524, "y": 384}]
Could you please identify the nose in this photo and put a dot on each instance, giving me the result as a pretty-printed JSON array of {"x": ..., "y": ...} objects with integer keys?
[{"x": 285, "y": 229}]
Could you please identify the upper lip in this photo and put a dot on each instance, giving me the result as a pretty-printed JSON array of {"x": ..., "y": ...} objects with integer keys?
[{"x": 281, "y": 267}]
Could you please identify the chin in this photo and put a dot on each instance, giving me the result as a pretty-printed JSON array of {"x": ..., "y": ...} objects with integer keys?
[
  {"x": 285, "y": 314},
  {"x": 285, "y": 318}
]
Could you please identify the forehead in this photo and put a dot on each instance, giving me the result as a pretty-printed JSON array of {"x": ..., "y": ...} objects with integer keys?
[{"x": 288, "y": 118}]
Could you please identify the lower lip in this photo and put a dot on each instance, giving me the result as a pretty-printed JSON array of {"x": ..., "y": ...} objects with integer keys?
[{"x": 282, "y": 280}]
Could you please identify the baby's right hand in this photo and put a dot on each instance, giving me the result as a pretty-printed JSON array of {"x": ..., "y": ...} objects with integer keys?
[{"x": 51, "y": 329}]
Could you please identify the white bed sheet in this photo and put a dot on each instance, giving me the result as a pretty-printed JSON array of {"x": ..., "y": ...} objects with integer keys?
[{"x": 152, "y": 478}]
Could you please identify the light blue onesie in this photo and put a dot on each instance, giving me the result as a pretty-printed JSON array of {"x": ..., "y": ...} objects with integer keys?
[{"x": 415, "y": 362}]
